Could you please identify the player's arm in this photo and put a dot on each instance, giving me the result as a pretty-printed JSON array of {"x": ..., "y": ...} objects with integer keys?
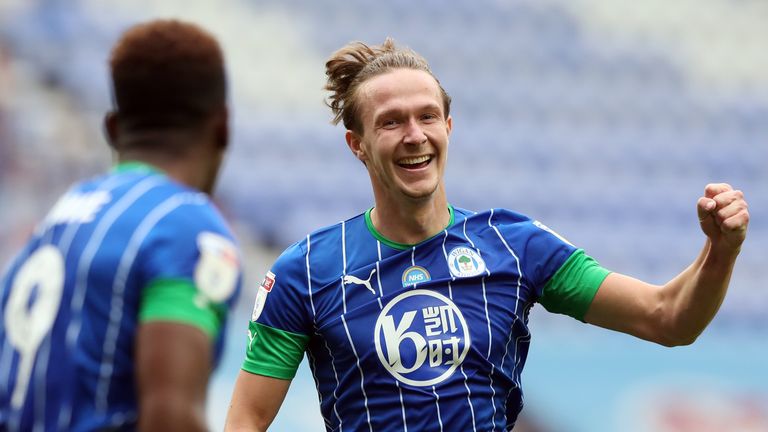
[
  {"x": 677, "y": 312},
  {"x": 274, "y": 352},
  {"x": 173, "y": 363},
  {"x": 272, "y": 358},
  {"x": 255, "y": 402},
  {"x": 181, "y": 319}
]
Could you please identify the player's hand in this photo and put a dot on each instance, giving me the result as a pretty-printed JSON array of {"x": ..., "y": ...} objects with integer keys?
[{"x": 724, "y": 216}]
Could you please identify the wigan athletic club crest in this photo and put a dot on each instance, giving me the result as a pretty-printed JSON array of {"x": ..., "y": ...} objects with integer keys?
[{"x": 465, "y": 262}]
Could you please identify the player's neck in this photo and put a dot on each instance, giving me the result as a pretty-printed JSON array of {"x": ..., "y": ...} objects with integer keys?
[
  {"x": 190, "y": 168},
  {"x": 412, "y": 221}
]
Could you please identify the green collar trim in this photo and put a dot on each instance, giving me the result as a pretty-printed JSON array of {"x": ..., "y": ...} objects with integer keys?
[
  {"x": 135, "y": 166},
  {"x": 393, "y": 244}
]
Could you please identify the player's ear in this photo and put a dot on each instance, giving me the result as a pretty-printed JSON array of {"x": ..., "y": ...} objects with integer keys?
[
  {"x": 354, "y": 142},
  {"x": 110, "y": 129},
  {"x": 449, "y": 125}
]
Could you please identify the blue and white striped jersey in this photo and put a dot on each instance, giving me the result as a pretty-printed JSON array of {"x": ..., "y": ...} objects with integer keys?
[
  {"x": 71, "y": 300},
  {"x": 427, "y": 337}
]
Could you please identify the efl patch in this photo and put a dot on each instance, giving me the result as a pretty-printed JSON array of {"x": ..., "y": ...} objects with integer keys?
[
  {"x": 465, "y": 262},
  {"x": 218, "y": 268},
  {"x": 269, "y": 281},
  {"x": 414, "y": 275},
  {"x": 261, "y": 295}
]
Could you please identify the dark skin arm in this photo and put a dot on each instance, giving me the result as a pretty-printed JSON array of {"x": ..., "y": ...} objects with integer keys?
[{"x": 173, "y": 364}]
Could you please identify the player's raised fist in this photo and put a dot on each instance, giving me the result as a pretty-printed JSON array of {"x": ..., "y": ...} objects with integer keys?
[{"x": 723, "y": 215}]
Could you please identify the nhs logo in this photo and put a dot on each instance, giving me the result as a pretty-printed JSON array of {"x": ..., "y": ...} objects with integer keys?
[{"x": 415, "y": 275}]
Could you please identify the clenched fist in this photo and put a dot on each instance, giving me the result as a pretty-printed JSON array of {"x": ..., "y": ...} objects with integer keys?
[{"x": 724, "y": 216}]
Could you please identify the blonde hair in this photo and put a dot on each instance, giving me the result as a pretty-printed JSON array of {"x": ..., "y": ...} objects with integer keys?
[{"x": 352, "y": 65}]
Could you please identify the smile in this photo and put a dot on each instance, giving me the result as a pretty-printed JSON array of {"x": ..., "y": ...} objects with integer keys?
[{"x": 415, "y": 162}]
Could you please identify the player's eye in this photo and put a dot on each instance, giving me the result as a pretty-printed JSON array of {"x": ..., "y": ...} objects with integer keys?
[{"x": 389, "y": 123}]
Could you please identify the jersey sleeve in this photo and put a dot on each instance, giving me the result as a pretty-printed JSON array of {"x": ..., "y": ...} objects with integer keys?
[
  {"x": 564, "y": 278},
  {"x": 281, "y": 324},
  {"x": 571, "y": 290},
  {"x": 190, "y": 269},
  {"x": 542, "y": 252}
]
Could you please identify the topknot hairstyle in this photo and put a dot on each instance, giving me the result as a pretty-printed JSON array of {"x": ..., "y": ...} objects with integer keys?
[
  {"x": 352, "y": 65},
  {"x": 167, "y": 73}
]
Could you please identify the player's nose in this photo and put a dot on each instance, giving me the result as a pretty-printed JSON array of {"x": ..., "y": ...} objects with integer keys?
[{"x": 413, "y": 132}]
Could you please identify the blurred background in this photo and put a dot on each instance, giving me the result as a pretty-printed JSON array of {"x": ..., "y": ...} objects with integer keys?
[{"x": 603, "y": 119}]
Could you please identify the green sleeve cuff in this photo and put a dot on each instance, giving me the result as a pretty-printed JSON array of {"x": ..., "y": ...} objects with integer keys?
[
  {"x": 177, "y": 300},
  {"x": 573, "y": 287},
  {"x": 272, "y": 352}
]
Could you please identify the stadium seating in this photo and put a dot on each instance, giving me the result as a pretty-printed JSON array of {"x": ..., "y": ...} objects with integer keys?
[{"x": 608, "y": 142}]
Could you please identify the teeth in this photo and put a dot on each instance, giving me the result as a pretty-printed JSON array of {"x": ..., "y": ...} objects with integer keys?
[{"x": 414, "y": 160}]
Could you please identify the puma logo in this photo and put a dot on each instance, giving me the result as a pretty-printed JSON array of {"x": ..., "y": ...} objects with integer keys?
[
  {"x": 251, "y": 338},
  {"x": 348, "y": 279}
]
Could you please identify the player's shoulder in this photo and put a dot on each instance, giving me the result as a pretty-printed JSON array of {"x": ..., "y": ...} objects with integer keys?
[
  {"x": 493, "y": 217},
  {"x": 511, "y": 221},
  {"x": 194, "y": 208},
  {"x": 507, "y": 222},
  {"x": 141, "y": 188},
  {"x": 89, "y": 198},
  {"x": 170, "y": 212},
  {"x": 179, "y": 207}
]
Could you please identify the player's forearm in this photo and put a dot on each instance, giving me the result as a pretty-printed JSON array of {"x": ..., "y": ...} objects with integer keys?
[
  {"x": 240, "y": 419},
  {"x": 171, "y": 414},
  {"x": 696, "y": 294},
  {"x": 232, "y": 426},
  {"x": 255, "y": 402}
]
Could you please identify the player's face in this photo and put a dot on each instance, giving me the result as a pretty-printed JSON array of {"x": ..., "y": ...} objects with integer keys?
[{"x": 405, "y": 133}]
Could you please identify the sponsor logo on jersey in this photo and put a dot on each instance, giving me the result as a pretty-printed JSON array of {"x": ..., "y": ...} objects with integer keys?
[
  {"x": 252, "y": 335},
  {"x": 217, "y": 270},
  {"x": 465, "y": 262},
  {"x": 352, "y": 279},
  {"x": 414, "y": 275},
  {"x": 421, "y": 337},
  {"x": 261, "y": 295}
]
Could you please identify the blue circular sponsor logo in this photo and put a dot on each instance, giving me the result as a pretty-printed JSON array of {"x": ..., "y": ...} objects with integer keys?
[{"x": 421, "y": 337}]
